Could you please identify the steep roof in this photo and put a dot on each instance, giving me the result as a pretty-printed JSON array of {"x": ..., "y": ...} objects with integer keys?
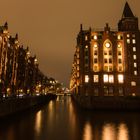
[{"x": 127, "y": 12}]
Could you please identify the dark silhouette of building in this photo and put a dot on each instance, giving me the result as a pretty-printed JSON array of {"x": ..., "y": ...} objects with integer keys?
[{"x": 107, "y": 62}]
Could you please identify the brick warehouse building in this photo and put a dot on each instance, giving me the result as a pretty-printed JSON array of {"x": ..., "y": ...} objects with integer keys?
[{"x": 107, "y": 62}]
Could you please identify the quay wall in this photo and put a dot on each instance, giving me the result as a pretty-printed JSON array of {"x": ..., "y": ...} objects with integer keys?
[
  {"x": 12, "y": 105},
  {"x": 107, "y": 102}
]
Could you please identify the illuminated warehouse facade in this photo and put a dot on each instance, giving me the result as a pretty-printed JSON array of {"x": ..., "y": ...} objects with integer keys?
[{"x": 107, "y": 62}]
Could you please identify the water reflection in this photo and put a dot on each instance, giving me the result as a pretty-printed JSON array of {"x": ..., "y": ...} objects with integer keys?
[
  {"x": 63, "y": 119},
  {"x": 123, "y": 132},
  {"x": 87, "y": 135},
  {"x": 38, "y": 122},
  {"x": 109, "y": 132}
]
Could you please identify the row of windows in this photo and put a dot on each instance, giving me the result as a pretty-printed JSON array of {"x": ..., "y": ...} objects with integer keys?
[
  {"x": 119, "y": 37},
  {"x": 106, "y": 78},
  {"x": 108, "y": 91}
]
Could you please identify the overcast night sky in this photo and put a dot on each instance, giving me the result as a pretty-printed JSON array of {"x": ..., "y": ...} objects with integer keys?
[{"x": 50, "y": 27}]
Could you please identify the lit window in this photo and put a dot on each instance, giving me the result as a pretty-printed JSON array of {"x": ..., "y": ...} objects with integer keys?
[
  {"x": 78, "y": 61},
  {"x": 86, "y": 79},
  {"x": 119, "y": 37},
  {"x": 134, "y": 57},
  {"x": 96, "y": 78},
  {"x": 111, "y": 79},
  {"x": 135, "y": 65},
  {"x": 135, "y": 73},
  {"x": 133, "y": 41},
  {"x": 133, "y": 83},
  {"x": 128, "y": 35},
  {"x": 105, "y": 78},
  {"x": 95, "y": 45},
  {"x": 119, "y": 45},
  {"x": 134, "y": 49},
  {"x": 120, "y": 78},
  {"x": 77, "y": 74},
  {"x": 95, "y": 37},
  {"x": 86, "y": 37},
  {"x": 128, "y": 41}
]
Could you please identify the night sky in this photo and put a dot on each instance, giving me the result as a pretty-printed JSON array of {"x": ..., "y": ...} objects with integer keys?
[{"x": 50, "y": 27}]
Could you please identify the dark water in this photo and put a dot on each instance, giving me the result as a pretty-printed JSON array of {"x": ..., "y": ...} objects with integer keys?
[{"x": 63, "y": 120}]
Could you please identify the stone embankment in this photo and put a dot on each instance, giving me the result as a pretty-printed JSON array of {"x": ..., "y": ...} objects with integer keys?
[
  {"x": 108, "y": 103},
  {"x": 13, "y": 105}
]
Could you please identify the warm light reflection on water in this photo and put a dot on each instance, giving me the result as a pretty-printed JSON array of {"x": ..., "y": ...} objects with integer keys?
[
  {"x": 109, "y": 132},
  {"x": 62, "y": 119},
  {"x": 87, "y": 134},
  {"x": 123, "y": 132},
  {"x": 38, "y": 122}
]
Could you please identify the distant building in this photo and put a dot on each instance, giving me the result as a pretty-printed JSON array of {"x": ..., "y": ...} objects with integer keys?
[{"x": 107, "y": 62}]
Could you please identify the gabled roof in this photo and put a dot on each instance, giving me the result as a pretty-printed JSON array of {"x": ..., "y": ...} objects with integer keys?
[{"x": 127, "y": 11}]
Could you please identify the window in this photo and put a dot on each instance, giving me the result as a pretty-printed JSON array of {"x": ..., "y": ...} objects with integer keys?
[
  {"x": 119, "y": 45},
  {"x": 119, "y": 37},
  {"x": 105, "y": 91},
  {"x": 110, "y": 68},
  {"x": 134, "y": 49},
  {"x": 95, "y": 60},
  {"x": 86, "y": 61},
  {"x": 133, "y": 35},
  {"x": 95, "y": 37},
  {"x": 95, "y": 52},
  {"x": 95, "y": 45},
  {"x": 119, "y": 53},
  {"x": 77, "y": 74},
  {"x": 133, "y": 41},
  {"x": 135, "y": 72},
  {"x": 96, "y": 92},
  {"x": 96, "y": 78},
  {"x": 86, "y": 79},
  {"x": 95, "y": 68},
  {"x": 105, "y": 52},
  {"x": 135, "y": 65},
  {"x": 86, "y": 37},
  {"x": 111, "y": 91},
  {"x": 78, "y": 61},
  {"x": 120, "y": 68},
  {"x": 105, "y": 60},
  {"x": 105, "y": 78},
  {"x": 119, "y": 60},
  {"x": 110, "y": 60},
  {"x": 128, "y": 35},
  {"x": 134, "y": 57},
  {"x": 120, "y": 78},
  {"x": 133, "y": 83},
  {"x": 86, "y": 46},
  {"x": 120, "y": 91},
  {"x": 110, "y": 52},
  {"x": 128, "y": 41},
  {"x": 111, "y": 79}
]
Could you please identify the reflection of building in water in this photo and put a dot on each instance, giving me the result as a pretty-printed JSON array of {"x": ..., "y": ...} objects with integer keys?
[
  {"x": 106, "y": 62},
  {"x": 111, "y": 132}
]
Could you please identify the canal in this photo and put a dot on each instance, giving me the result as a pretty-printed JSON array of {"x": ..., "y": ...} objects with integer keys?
[{"x": 62, "y": 119}]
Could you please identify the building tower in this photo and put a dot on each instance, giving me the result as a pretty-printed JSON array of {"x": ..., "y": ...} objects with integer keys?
[{"x": 107, "y": 62}]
